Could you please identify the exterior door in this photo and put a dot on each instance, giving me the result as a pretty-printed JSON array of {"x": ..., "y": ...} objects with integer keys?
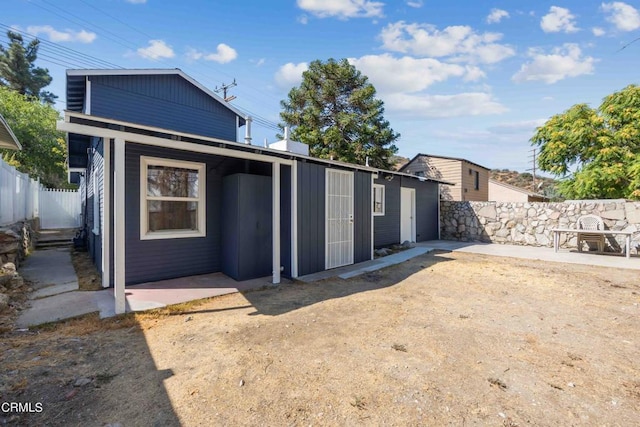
[
  {"x": 339, "y": 218},
  {"x": 407, "y": 214}
]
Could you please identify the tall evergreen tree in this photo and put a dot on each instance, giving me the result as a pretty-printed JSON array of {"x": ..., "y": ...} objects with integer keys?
[
  {"x": 18, "y": 72},
  {"x": 336, "y": 113}
]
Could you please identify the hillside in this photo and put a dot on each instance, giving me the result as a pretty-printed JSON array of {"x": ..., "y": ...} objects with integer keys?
[{"x": 522, "y": 180}]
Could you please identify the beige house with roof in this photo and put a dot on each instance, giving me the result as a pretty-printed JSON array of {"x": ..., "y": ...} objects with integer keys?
[{"x": 471, "y": 179}]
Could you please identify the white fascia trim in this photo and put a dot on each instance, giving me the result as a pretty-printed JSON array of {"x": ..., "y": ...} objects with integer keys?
[
  {"x": 169, "y": 143},
  {"x": 106, "y": 214},
  {"x": 294, "y": 219},
  {"x": 373, "y": 177},
  {"x": 87, "y": 96},
  {"x": 11, "y": 135},
  {"x": 156, "y": 72},
  {"x": 145, "y": 234}
]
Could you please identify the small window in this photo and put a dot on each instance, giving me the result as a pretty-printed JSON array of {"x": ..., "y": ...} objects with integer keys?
[
  {"x": 378, "y": 199},
  {"x": 172, "y": 199},
  {"x": 477, "y": 180}
]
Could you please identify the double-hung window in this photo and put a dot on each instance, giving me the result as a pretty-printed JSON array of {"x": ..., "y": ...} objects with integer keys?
[
  {"x": 172, "y": 199},
  {"x": 378, "y": 199}
]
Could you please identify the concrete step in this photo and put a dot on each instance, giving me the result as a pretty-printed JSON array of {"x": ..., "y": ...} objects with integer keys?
[{"x": 54, "y": 243}]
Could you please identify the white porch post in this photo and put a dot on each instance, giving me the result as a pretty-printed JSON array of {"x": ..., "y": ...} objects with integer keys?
[
  {"x": 294, "y": 219},
  {"x": 106, "y": 217},
  {"x": 275, "y": 186},
  {"x": 118, "y": 225}
]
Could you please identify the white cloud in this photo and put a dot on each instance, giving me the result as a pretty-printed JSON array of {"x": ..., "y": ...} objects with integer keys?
[
  {"x": 342, "y": 9},
  {"x": 496, "y": 16},
  {"x": 223, "y": 54},
  {"x": 558, "y": 20},
  {"x": 461, "y": 43},
  {"x": 561, "y": 63},
  {"x": 415, "y": 4},
  {"x": 260, "y": 62},
  {"x": 598, "y": 32},
  {"x": 303, "y": 19},
  {"x": 56, "y": 36},
  {"x": 157, "y": 49},
  {"x": 290, "y": 75},
  {"x": 440, "y": 106},
  {"x": 625, "y": 17},
  {"x": 393, "y": 75}
]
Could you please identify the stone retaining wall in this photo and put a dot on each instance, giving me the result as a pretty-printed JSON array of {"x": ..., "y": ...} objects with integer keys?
[
  {"x": 531, "y": 223},
  {"x": 17, "y": 240}
]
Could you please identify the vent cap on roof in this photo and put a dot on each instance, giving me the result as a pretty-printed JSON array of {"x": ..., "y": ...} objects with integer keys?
[{"x": 290, "y": 146}]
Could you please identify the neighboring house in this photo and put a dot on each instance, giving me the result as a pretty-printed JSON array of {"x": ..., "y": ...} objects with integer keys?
[
  {"x": 181, "y": 197},
  {"x": 471, "y": 181},
  {"x": 7, "y": 139},
  {"x": 502, "y": 192}
]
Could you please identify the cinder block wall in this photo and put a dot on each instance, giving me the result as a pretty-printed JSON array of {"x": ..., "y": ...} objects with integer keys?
[{"x": 521, "y": 223}]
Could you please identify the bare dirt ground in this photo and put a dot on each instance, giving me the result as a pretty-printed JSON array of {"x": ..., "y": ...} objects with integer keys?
[{"x": 443, "y": 339}]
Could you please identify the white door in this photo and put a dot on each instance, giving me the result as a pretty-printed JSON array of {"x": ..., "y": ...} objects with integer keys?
[
  {"x": 339, "y": 218},
  {"x": 407, "y": 214}
]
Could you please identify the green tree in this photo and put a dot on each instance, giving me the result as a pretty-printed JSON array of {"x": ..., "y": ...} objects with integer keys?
[
  {"x": 335, "y": 112},
  {"x": 601, "y": 145},
  {"x": 43, "y": 153},
  {"x": 18, "y": 72}
]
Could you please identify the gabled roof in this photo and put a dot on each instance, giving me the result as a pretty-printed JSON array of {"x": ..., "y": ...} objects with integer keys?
[
  {"x": 440, "y": 157},
  {"x": 76, "y": 89},
  {"x": 7, "y": 138}
]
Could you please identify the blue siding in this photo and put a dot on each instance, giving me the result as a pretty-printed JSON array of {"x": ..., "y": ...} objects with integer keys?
[
  {"x": 311, "y": 201},
  {"x": 150, "y": 260},
  {"x": 427, "y": 201},
  {"x": 285, "y": 219},
  {"x": 362, "y": 216},
  {"x": 387, "y": 227},
  {"x": 165, "y": 101}
]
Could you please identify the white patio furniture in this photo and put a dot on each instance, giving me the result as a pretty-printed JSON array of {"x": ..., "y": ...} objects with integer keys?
[{"x": 591, "y": 223}]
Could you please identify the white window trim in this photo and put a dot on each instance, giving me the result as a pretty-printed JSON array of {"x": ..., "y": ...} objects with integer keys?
[
  {"x": 96, "y": 201},
  {"x": 145, "y": 234},
  {"x": 374, "y": 200}
]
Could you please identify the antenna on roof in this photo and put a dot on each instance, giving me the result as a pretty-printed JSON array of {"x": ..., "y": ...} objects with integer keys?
[{"x": 224, "y": 88}]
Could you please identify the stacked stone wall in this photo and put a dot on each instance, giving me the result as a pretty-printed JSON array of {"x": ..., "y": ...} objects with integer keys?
[{"x": 521, "y": 223}]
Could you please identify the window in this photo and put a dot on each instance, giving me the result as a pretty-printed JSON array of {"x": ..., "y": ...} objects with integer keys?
[
  {"x": 172, "y": 199},
  {"x": 477, "y": 180},
  {"x": 378, "y": 199}
]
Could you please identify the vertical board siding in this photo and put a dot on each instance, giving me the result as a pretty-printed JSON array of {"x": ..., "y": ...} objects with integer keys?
[
  {"x": 362, "y": 216},
  {"x": 311, "y": 224},
  {"x": 164, "y": 101},
  {"x": 285, "y": 219},
  {"x": 427, "y": 201},
  {"x": 387, "y": 227}
]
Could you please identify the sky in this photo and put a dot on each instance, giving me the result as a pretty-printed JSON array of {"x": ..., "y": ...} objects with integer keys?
[{"x": 460, "y": 78}]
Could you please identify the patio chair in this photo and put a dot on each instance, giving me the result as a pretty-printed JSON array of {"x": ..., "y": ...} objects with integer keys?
[{"x": 593, "y": 223}]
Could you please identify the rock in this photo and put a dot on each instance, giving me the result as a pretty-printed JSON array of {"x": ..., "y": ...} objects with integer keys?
[
  {"x": 382, "y": 252},
  {"x": 9, "y": 267},
  {"x": 16, "y": 282},
  {"x": 408, "y": 245},
  {"x": 617, "y": 214},
  {"x": 81, "y": 382},
  {"x": 4, "y": 302},
  {"x": 488, "y": 211},
  {"x": 5, "y": 279}
]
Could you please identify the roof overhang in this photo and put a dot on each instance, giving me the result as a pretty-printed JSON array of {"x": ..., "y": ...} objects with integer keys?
[
  {"x": 7, "y": 138},
  {"x": 159, "y": 72}
]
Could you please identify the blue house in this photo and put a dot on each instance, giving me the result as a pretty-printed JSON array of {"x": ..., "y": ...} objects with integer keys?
[{"x": 169, "y": 192}]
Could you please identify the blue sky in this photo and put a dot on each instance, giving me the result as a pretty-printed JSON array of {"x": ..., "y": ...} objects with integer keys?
[{"x": 460, "y": 78}]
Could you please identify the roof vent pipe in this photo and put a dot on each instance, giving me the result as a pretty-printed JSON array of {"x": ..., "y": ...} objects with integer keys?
[
  {"x": 286, "y": 133},
  {"x": 266, "y": 143},
  {"x": 366, "y": 163},
  {"x": 247, "y": 135}
]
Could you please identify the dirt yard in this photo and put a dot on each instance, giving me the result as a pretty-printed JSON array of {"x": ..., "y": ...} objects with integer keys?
[{"x": 444, "y": 339}]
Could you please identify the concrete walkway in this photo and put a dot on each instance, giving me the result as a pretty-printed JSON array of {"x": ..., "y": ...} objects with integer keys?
[
  {"x": 57, "y": 296},
  {"x": 537, "y": 253}
]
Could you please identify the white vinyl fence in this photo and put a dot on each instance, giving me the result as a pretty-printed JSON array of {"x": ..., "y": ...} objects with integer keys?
[
  {"x": 59, "y": 208},
  {"x": 24, "y": 198}
]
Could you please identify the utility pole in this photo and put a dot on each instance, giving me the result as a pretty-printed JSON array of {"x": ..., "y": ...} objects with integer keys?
[
  {"x": 533, "y": 169},
  {"x": 224, "y": 90}
]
